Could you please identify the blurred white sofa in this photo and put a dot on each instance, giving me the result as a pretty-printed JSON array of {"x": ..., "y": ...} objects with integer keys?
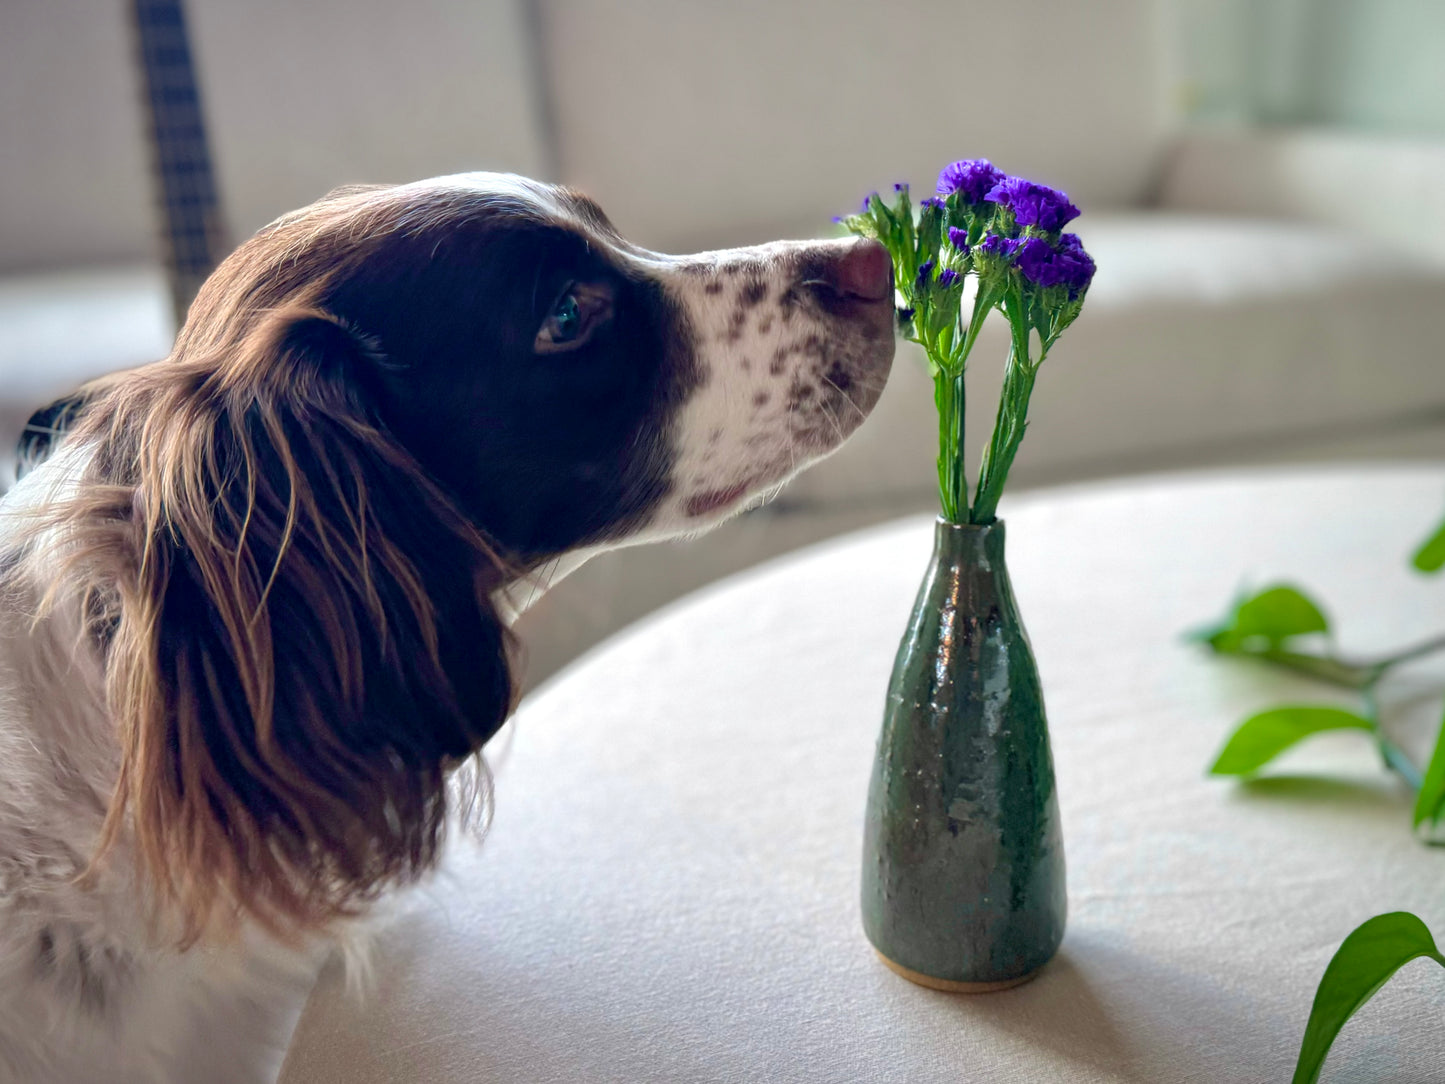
[{"x": 1260, "y": 295}]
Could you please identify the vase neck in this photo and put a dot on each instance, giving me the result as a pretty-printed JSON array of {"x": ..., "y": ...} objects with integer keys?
[{"x": 970, "y": 543}]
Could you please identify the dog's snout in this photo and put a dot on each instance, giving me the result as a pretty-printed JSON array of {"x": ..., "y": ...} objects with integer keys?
[{"x": 864, "y": 271}]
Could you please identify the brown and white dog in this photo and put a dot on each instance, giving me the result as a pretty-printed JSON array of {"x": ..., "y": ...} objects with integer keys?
[{"x": 251, "y": 621}]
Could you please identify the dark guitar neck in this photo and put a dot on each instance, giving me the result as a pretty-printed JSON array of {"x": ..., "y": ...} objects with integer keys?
[
  {"x": 192, "y": 232},
  {"x": 192, "y": 235}
]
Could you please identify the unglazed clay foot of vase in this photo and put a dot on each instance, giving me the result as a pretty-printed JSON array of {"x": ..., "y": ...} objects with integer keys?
[{"x": 950, "y": 987}]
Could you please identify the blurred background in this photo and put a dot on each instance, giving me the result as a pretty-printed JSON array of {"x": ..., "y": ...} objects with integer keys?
[{"x": 1263, "y": 184}]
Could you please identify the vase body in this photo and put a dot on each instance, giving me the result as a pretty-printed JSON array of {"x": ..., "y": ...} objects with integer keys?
[{"x": 963, "y": 858}]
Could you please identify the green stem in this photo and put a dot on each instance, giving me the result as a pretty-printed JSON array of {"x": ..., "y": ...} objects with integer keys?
[
  {"x": 950, "y": 364},
  {"x": 1398, "y": 761},
  {"x": 1409, "y": 654},
  {"x": 983, "y": 301},
  {"x": 1352, "y": 674},
  {"x": 1362, "y": 677},
  {"x": 952, "y": 481},
  {"x": 1394, "y": 758},
  {"x": 1324, "y": 668},
  {"x": 1012, "y": 420}
]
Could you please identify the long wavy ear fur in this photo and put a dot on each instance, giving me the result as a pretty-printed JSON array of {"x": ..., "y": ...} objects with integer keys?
[{"x": 304, "y": 642}]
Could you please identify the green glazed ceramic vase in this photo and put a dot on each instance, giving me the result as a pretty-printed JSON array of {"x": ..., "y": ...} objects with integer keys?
[{"x": 963, "y": 856}]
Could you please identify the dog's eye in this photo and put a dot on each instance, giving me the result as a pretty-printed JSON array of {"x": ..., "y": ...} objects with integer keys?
[{"x": 581, "y": 309}]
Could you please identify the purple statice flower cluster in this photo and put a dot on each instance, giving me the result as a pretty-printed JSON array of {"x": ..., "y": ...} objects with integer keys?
[
  {"x": 1026, "y": 268},
  {"x": 998, "y": 246},
  {"x": 947, "y": 278},
  {"x": 1063, "y": 264},
  {"x": 972, "y": 178},
  {"x": 1033, "y": 204}
]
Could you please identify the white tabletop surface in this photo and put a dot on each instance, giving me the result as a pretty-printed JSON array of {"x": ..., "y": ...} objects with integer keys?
[{"x": 669, "y": 890}]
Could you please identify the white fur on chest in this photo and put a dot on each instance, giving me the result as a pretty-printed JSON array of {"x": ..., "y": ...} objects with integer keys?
[{"x": 87, "y": 993}]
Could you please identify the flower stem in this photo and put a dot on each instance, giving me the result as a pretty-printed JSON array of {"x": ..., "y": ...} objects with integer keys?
[
  {"x": 1012, "y": 420},
  {"x": 952, "y": 481},
  {"x": 950, "y": 362}
]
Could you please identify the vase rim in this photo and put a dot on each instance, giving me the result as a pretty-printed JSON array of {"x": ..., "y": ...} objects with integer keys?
[{"x": 997, "y": 524}]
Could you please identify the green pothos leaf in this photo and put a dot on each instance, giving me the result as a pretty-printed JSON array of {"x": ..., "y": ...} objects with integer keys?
[
  {"x": 1261, "y": 738},
  {"x": 1430, "y": 802},
  {"x": 1430, "y": 557},
  {"x": 1364, "y": 962},
  {"x": 1269, "y": 618}
]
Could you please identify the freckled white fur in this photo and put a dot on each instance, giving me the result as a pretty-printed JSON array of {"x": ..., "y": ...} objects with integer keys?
[
  {"x": 89, "y": 991},
  {"x": 745, "y": 429}
]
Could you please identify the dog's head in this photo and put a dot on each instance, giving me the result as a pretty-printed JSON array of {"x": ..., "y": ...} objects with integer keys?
[
  {"x": 565, "y": 387},
  {"x": 381, "y": 410}
]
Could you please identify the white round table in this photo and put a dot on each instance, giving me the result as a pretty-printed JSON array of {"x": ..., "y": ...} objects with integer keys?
[{"x": 669, "y": 890}]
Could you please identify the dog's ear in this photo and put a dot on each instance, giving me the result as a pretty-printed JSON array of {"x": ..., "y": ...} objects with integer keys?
[{"x": 306, "y": 641}]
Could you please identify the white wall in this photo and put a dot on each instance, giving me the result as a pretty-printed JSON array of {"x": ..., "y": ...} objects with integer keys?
[
  {"x": 72, "y": 154},
  {"x": 695, "y": 122},
  {"x": 303, "y": 95},
  {"x": 300, "y": 95}
]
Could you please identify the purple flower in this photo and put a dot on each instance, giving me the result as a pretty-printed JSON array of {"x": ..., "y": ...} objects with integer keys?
[
  {"x": 1072, "y": 249},
  {"x": 1033, "y": 204},
  {"x": 959, "y": 238},
  {"x": 931, "y": 201},
  {"x": 948, "y": 277},
  {"x": 970, "y": 178},
  {"x": 898, "y": 186},
  {"x": 1046, "y": 265},
  {"x": 925, "y": 273},
  {"x": 1000, "y": 247},
  {"x": 867, "y": 203},
  {"x": 1080, "y": 264},
  {"x": 1039, "y": 263}
]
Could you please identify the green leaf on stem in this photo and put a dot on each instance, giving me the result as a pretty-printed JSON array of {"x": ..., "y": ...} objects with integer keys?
[
  {"x": 1269, "y": 617},
  {"x": 1431, "y": 555},
  {"x": 1261, "y": 738},
  {"x": 1430, "y": 802},
  {"x": 1364, "y": 962}
]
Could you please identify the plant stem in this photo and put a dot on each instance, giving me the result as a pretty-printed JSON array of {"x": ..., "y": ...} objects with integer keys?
[
  {"x": 1012, "y": 420},
  {"x": 1324, "y": 668},
  {"x": 949, "y": 396},
  {"x": 952, "y": 479},
  {"x": 1394, "y": 758},
  {"x": 1398, "y": 761},
  {"x": 1362, "y": 677},
  {"x": 1409, "y": 654},
  {"x": 983, "y": 301},
  {"x": 1352, "y": 674}
]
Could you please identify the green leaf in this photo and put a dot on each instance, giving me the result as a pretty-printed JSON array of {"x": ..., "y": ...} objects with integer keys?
[
  {"x": 1262, "y": 737},
  {"x": 1278, "y": 613},
  {"x": 1430, "y": 802},
  {"x": 1364, "y": 962},
  {"x": 1272, "y": 616},
  {"x": 1431, "y": 556}
]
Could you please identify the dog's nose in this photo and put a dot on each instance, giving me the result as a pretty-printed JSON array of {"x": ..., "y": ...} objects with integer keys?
[{"x": 865, "y": 271}]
